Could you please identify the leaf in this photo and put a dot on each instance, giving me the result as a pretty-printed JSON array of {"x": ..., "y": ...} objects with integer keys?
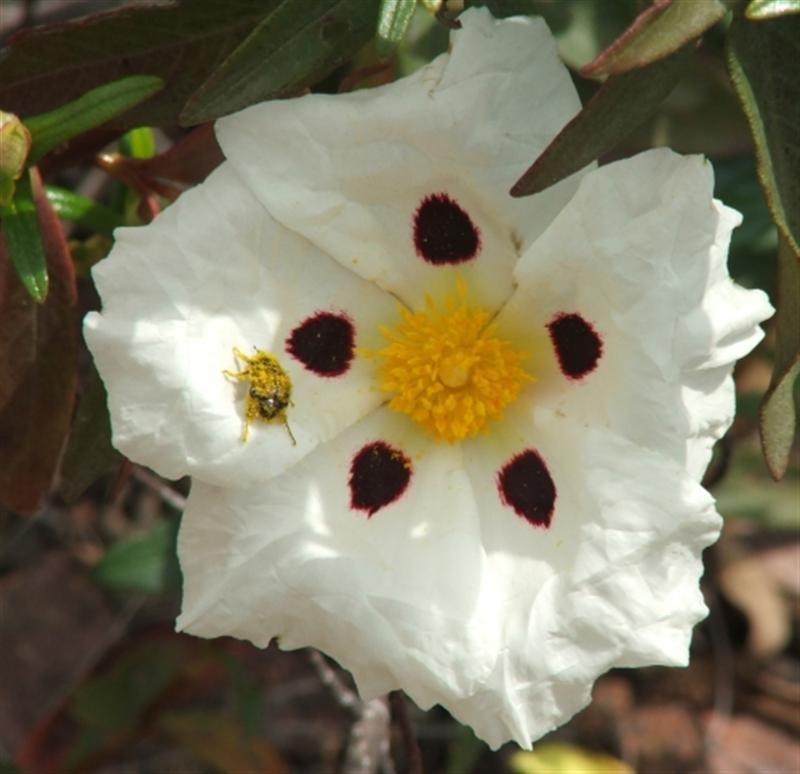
[
  {"x": 138, "y": 143},
  {"x": 769, "y": 9},
  {"x": 81, "y": 209},
  {"x": 181, "y": 43},
  {"x": 393, "y": 19},
  {"x": 295, "y": 44},
  {"x": 464, "y": 751},
  {"x": 561, "y": 758},
  {"x": 144, "y": 562},
  {"x": 762, "y": 57},
  {"x": 111, "y": 707},
  {"x": 89, "y": 452},
  {"x": 25, "y": 246},
  {"x": 90, "y": 110},
  {"x": 778, "y": 419},
  {"x": 42, "y": 349},
  {"x": 217, "y": 741},
  {"x": 658, "y": 31},
  {"x": 247, "y": 700},
  {"x": 622, "y": 103},
  {"x": 189, "y": 161},
  {"x": 115, "y": 701}
]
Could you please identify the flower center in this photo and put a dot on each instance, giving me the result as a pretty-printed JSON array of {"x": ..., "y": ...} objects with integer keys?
[{"x": 448, "y": 370}]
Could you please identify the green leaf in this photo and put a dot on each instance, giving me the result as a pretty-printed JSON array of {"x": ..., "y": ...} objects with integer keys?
[
  {"x": 464, "y": 751},
  {"x": 90, "y": 110},
  {"x": 138, "y": 143},
  {"x": 247, "y": 699},
  {"x": 658, "y": 31},
  {"x": 769, "y": 9},
  {"x": 145, "y": 562},
  {"x": 622, "y": 103},
  {"x": 81, "y": 209},
  {"x": 25, "y": 246},
  {"x": 762, "y": 58},
  {"x": 393, "y": 19},
  {"x": 778, "y": 419},
  {"x": 115, "y": 702},
  {"x": 294, "y": 45}
]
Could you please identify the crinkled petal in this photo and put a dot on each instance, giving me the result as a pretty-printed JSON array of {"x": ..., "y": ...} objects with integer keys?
[
  {"x": 386, "y": 594},
  {"x": 214, "y": 272},
  {"x": 640, "y": 254},
  {"x": 612, "y": 582},
  {"x": 447, "y": 593},
  {"x": 349, "y": 171}
]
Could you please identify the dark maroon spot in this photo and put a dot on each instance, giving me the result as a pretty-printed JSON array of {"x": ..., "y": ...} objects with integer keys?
[
  {"x": 578, "y": 346},
  {"x": 526, "y": 486},
  {"x": 323, "y": 343},
  {"x": 443, "y": 232},
  {"x": 379, "y": 474}
]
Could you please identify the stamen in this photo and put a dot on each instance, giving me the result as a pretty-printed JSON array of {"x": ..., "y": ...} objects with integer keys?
[{"x": 448, "y": 369}]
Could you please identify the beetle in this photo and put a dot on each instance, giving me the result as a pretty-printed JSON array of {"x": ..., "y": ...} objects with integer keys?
[{"x": 270, "y": 391}]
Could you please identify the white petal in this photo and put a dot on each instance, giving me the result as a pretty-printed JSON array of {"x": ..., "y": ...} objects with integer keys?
[
  {"x": 640, "y": 253},
  {"x": 349, "y": 171},
  {"x": 389, "y": 596},
  {"x": 503, "y": 624},
  {"x": 214, "y": 272},
  {"x": 612, "y": 582}
]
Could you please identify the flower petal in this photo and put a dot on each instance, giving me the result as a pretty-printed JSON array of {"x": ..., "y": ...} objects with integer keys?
[
  {"x": 640, "y": 255},
  {"x": 388, "y": 594},
  {"x": 611, "y": 582},
  {"x": 350, "y": 171},
  {"x": 504, "y": 624},
  {"x": 214, "y": 272}
]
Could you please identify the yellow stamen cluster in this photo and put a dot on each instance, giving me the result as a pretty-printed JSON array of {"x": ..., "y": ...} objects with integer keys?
[{"x": 448, "y": 370}]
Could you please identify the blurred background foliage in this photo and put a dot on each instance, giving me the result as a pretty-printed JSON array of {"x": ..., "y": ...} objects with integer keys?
[{"x": 104, "y": 122}]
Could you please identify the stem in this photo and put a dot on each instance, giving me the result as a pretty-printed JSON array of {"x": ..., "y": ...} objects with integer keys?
[{"x": 400, "y": 714}]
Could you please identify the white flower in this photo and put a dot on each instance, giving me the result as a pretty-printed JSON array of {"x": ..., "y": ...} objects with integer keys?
[{"x": 525, "y": 513}]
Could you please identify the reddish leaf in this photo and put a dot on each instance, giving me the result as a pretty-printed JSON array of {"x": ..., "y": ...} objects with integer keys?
[
  {"x": 262, "y": 47},
  {"x": 189, "y": 161},
  {"x": 183, "y": 43},
  {"x": 660, "y": 30},
  {"x": 40, "y": 342},
  {"x": 89, "y": 453}
]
